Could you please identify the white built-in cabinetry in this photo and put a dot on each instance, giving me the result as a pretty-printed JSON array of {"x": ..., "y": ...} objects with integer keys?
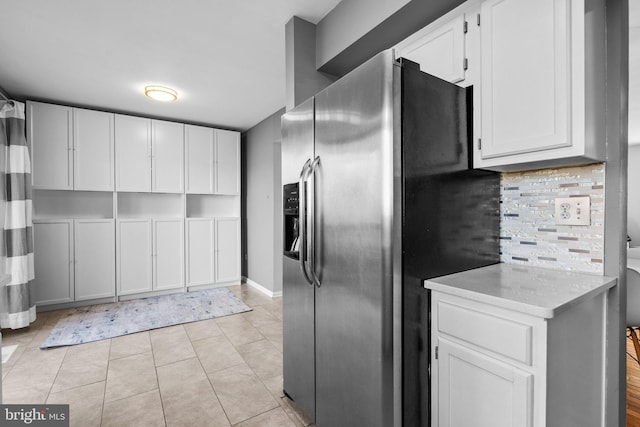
[
  {"x": 72, "y": 148},
  {"x": 75, "y": 260},
  {"x": 150, "y": 155},
  {"x": 115, "y": 200},
  {"x": 212, "y": 161},
  {"x": 227, "y": 244},
  {"x": 200, "y": 251},
  {"x": 211, "y": 243},
  {"x": 150, "y": 255},
  {"x": 227, "y": 161},
  {"x": 537, "y": 71}
]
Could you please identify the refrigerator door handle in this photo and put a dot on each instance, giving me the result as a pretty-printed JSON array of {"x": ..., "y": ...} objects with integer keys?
[
  {"x": 312, "y": 221},
  {"x": 302, "y": 220}
]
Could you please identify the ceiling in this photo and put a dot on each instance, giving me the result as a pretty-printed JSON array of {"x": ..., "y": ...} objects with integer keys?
[{"x": 226, "y": 59}]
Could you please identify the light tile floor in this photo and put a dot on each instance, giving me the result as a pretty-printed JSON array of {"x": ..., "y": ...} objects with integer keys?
[{"x": 218, "y": 372}]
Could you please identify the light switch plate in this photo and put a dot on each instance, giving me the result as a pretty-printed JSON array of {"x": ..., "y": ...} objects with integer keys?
[{"x": 573, "y": 210}]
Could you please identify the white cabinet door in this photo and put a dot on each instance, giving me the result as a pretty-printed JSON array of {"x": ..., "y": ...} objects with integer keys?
[
  {"x": 168, "y": 238},
  {"x": 227, "y": 162},
  {"x": 167, "y": 156},
  {"x": 199, "y": 157},
  {"x": 227, "y": 249},
  {"x": 53, "y": 259},
  {"x": 526, "y": 76},
  {"x": 93, "y": 150},
  {"x": 200, "y": 247},
  {"x": 476, "y": 390},
  {"x": 133, "y": 153},
  {"x": 94, "y": 243},
  {"x": 134, "y": 256},
  {"x": 50, "y": 138},
  {"x": 440, "y": 51}
]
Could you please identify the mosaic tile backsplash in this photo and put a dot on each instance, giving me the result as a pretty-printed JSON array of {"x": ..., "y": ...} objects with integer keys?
[{"x": 528, "y": 233}]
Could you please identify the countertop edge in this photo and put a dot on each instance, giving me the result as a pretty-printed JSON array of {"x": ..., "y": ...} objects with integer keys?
[{"x": 523, "y": 307}]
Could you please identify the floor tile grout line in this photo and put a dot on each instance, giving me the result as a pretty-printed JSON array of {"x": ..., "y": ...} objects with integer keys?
[
  {"x": 164, "y": 415},
  {"x": 66, "y": 351},
  {"x": 213, "y": 389},
  {"x": 104, "y": 391},
  {"x": 209, "y": 378},
  {"x": 245, "y": 363}
]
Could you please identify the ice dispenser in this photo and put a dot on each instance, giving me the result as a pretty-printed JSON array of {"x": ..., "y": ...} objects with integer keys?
[{"x": 290, "y": 210}]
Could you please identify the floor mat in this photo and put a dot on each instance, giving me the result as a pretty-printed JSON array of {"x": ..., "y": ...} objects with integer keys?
[{"x": 103, "y": 321}]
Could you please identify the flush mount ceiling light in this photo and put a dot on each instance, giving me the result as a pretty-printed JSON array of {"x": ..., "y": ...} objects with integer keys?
[{"x": 161, "y": 93}]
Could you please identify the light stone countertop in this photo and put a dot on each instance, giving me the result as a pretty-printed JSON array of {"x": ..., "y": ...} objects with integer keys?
[{"x": 537, "y": 291}]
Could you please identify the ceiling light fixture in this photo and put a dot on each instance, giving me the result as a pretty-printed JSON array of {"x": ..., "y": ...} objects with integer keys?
[{"x": 161, "y": 93}]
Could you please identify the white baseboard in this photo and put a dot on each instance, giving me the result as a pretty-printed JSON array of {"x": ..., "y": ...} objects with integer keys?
[{"x": 257, "y": 286}]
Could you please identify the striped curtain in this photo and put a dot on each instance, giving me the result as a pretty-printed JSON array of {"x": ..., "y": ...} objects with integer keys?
[{"x": 17, "y": 307}]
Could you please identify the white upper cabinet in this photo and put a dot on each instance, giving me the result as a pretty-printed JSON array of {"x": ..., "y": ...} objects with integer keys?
[
  {"x": 212, "y": 161},
  {"x": 227, "y": 163},
  {"x": 167, "y": 151},
  {"x": 542, "y": 88},
  {"x": 149, "y": 155},
  {"x": 133, "y": 151},
  {"x": 50, "y": 137},
  {"x": 71, "y": 148},
  {"x": 93, "y": 159},
  {"x": 199, "y": 158},
  {"x": 439, "y": 49}
]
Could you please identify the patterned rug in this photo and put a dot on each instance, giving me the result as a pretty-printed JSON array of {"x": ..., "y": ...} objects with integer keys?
[{"x": 103, "y": 321}]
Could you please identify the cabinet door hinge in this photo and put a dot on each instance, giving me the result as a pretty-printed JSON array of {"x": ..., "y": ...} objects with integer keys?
[
  {"x": 465, "y": 63},
  {"x": 465, "y": 27},
  {"x": 478, "y": 19},
  {"x": 479, "y": 143},
  {"x": 436, "y": 352}
]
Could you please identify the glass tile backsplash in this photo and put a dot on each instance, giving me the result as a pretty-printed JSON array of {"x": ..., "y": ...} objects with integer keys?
[{"x": 528, "y": 232}]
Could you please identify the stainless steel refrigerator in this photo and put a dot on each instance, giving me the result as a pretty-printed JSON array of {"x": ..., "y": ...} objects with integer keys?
[{"x": 378, "y": 196}]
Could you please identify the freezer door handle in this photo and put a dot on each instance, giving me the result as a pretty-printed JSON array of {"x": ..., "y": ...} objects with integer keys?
[
  {"x": 302, "y": 220},
  {"x": 312, "y": 221}
]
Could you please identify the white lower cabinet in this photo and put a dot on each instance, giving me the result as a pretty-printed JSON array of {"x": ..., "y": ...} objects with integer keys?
[
  {"x": 213, "y": 250},
  {"x": 53, "y": 259},
  {"x": 168, "y": 248},
  {"x": 200, "y": 251},
  {"x": 94, "y": 243},
  {"x": 149, "y": 255},
  {"x": 493, "y": 366},
  {"x": 505, "y": 399},
  {"x": 74, "y": 260},
  {"x": 227, "y": 249}
]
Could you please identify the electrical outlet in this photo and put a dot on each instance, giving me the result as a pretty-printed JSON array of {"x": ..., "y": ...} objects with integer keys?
[{"x": 573, "y": 210}]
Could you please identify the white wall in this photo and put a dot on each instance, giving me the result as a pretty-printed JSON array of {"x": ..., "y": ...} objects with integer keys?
[{"x": 263, "y": 203}]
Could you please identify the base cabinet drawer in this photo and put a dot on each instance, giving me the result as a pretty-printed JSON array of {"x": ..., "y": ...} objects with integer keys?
[{"x": 494, "y": 333}]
